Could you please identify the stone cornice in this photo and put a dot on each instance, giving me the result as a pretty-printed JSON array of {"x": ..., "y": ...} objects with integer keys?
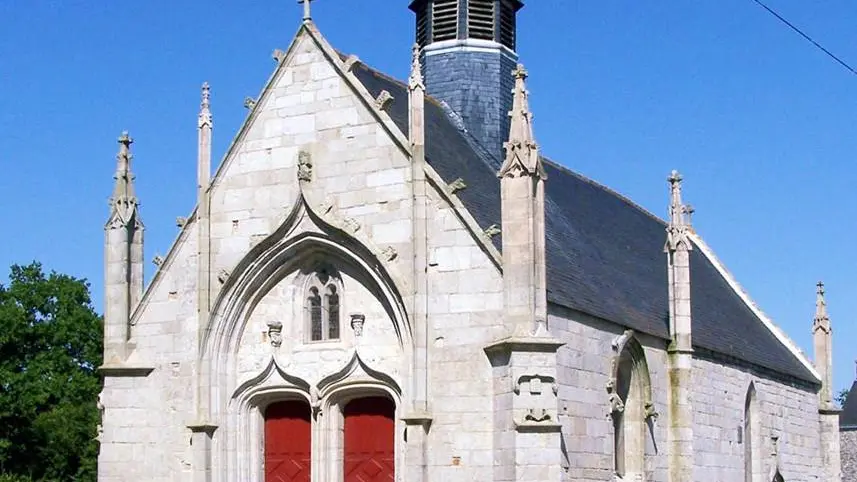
[
  {"x": 525, "y": 344},
  {"x": 122, "y": 370}
]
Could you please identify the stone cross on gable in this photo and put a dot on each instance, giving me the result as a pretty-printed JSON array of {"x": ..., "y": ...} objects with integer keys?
[{"x": 306, "y": 3}]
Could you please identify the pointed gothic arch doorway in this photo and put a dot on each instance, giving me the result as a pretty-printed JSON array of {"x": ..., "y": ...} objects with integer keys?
[
  {"x": 369, "y": 440},
  {"x": 288, "y": 442}
]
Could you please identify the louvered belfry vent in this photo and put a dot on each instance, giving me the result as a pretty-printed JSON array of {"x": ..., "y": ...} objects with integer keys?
[
  {"x": 480, "y": 19},
  {"x": 444, "y": 20},
  {"x": 422, "y": 28},
  {"x": 508, "y": 27}
]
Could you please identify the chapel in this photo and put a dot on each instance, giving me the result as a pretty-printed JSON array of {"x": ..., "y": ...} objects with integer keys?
[{"x": 387, "y": 280}]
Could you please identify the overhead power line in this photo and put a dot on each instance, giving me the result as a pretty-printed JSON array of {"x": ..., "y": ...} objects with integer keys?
[{"x": 807, "y": 37}]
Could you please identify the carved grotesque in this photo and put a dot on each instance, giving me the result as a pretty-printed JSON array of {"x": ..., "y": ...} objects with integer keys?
[{"x": 616, "y": 405}]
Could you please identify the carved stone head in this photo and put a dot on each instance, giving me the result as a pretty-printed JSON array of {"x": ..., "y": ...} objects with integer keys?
[
  {"x": 357, "y": 320},
  {"x": 275, "y": 333}
]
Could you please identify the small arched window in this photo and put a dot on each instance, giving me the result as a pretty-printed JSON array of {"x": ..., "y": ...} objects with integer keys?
[{"x": 322, "y": 304}]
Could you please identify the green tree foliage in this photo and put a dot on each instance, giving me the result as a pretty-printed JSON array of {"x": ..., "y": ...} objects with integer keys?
[
  {"x": 50, "y": 347},
  {"x": 841, "y": 397}
]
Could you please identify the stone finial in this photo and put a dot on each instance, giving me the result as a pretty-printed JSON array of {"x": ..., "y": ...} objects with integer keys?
[
  {"x": 205, "y": 106},
  {"x": 124, "y": 202},
  {"x": 307, "y": 12},
  {"x": 416, "y": 78},
  {"x": 821, "y": 320},
  {"x": 522, "y": 152},
  {"x": 679, "y": 217}
]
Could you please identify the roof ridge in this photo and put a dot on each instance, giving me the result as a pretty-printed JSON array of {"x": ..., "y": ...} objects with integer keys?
[
  {"x": 604, "y": 188},
  {"x": 754, "y": 307}
]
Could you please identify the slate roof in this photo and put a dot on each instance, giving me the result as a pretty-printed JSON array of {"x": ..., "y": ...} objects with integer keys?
[
  {"x": 848, "y": 417},
  {"x": 604, "y": 254}
]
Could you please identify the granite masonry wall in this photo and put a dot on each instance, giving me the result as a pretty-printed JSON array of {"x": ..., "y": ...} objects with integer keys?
[
  {"x": 788, "y": 412},
  {"x": 848, "y": 441}
]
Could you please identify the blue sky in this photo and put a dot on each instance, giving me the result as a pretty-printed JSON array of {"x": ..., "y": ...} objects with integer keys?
[{"x": 761, "y": 124}]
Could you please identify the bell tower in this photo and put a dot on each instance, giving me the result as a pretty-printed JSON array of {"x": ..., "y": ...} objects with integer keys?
[{"x": 468, "y": 53}]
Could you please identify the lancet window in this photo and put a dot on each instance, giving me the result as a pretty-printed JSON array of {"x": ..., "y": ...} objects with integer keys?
[
  {"x": 751, "y": 439},
  {"x": 323, "y": 304}
]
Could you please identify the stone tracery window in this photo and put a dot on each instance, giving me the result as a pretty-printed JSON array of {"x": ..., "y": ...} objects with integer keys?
[{"x": 322, "y": 304}]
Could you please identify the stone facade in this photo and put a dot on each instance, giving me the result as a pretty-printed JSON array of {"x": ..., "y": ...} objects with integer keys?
[{"x": 322, "y": 191}]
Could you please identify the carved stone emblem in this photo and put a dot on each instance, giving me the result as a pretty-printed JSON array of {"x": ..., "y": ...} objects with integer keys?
[
  {"x": 357, "y": 321},
  {"x": 537, "y": 415},
  {"x": 275, "y": 333},
  {"x": 304, "y": 166}
]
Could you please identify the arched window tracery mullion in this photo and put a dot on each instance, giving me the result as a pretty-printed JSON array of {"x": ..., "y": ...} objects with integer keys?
[{"x": 323, "y": 303}]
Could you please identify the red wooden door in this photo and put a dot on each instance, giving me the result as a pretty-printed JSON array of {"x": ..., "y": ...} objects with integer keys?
[
  {"x": 369, "y": 438},
  {"x": 288, "y": 440}
]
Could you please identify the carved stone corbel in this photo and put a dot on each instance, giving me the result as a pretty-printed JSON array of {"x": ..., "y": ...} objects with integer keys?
[
  {"x": 383, "y": 100},
  {"x": 389, "y": 253},
  {"x": 492, "y": 231},
  {"x": 351, "y": 225},
  {"x": 350, "y": 62},
  {"x": 457, "y": 185}
]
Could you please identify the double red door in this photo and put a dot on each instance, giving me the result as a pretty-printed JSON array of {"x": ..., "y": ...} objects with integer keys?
[
  {"x": 288, "y": 442},
  {"x": 369, "y": 441}
]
